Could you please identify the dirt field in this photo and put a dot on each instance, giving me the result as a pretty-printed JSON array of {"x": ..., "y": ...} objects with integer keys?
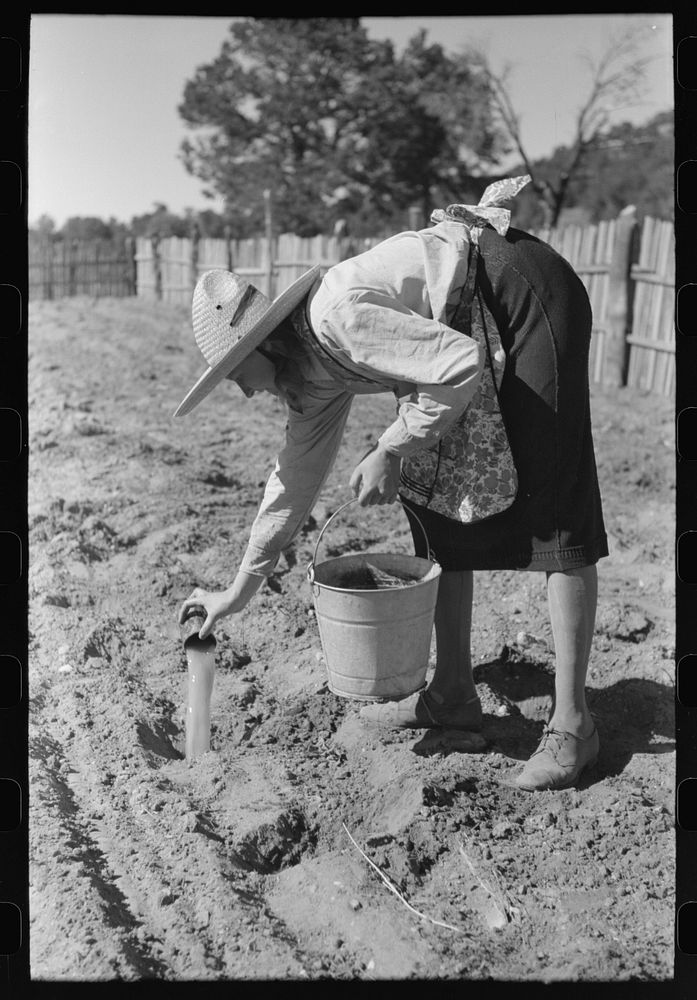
[{"x": 241, "y": 865}]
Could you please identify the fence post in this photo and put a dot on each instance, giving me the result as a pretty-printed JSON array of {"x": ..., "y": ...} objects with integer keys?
[
  {"x": 48, "y": 274},
  {"x": 156, "y": 264},
  {"x": 268, "y": 243},
  {"x": 346, "y": 248},
  {"x": 227, "y": 233},
  {"x": 72, "y": 252},
  {"x": 131, "y": 265},
  {"x": 195, "y": 235},
  {"x": 416, "y": 217},
  {"x": 619, "y": 300}
]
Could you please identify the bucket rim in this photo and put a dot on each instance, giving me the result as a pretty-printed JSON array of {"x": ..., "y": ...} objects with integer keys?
[{"x": 432, "y": 574}]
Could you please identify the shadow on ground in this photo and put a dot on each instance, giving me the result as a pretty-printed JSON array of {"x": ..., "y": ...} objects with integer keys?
[{"x": 633, "y": 714}]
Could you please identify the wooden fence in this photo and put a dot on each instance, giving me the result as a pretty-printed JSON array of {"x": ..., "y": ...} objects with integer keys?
[
  {"x": 651, "y": 334},
  {"x": 629, "y": 274},
  {"x": 81, "y": 267},
  {"x": 168, "y": 268},
  {"x": 628, "y": 270}
]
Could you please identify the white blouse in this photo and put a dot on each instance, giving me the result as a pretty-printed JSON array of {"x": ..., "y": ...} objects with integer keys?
[{"x": 380, "y": 315}]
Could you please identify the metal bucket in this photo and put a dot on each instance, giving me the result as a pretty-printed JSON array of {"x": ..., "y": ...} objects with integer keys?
[{"x": 376, "y": 642}]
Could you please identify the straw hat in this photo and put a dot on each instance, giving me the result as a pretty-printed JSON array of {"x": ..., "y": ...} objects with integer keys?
[{"x": 231, "y": 318}]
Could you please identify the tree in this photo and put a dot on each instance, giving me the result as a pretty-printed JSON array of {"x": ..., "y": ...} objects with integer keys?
[
  {"x": 269, "y": 106},
  {"x": 425, "y": 129},
  {"x": 160, "y": 222},
  {"x": 616, "y": 78},
  {"x": 45, "y": 226},
  {"x": 332, "y": 123},
  {"x": 628, "y": 165},
  {"x": 208, "y": 223},
  {"x": 119, "y": 230},
  {"x": 87, "y": 227}
]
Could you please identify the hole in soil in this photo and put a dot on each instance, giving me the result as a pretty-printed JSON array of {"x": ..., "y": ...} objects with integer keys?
[
  {"x": 206, "y": 826},
  {"x": 220, "y": 480},
  {"x": 274, "y": 846},
  {"x": 407, "y": 862},
  {"x": 106, "y": 640},
  {"x": 158, "y": 739},
  {"x": 517, "y": 680},
  {"x": 445, "y": 794}
]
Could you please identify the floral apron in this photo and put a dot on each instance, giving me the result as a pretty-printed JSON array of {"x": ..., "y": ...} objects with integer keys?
[{"x": 470, "y": 474}]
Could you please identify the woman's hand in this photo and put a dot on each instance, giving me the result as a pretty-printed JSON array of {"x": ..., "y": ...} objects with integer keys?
[
  {"x": 375, "y": 479},
  {"x": 220, "y": 603},
  {"x": 216, "y": 604}
]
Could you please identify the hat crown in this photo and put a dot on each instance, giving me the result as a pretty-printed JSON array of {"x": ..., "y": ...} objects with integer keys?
[
  {"x": 231, "y": 318},
  {"x": 224, "y": 309}
]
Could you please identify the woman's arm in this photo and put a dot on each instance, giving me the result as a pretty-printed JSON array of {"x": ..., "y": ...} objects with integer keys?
[
  {"x": 303, "y": 464},
  {"x": 312, "y": 442}
]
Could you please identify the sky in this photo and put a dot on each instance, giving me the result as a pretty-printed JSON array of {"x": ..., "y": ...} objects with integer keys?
[{"x": 104, "y": 132}]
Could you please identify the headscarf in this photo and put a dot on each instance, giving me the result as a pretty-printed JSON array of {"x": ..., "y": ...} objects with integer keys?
[{"x": 489, "y": 211}]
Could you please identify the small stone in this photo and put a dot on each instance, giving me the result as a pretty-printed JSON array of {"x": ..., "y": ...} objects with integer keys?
[
  {"x": 503, "y": 710},
  {"x": 65, "y": 668},
  {"x": 355, "y": 904}
]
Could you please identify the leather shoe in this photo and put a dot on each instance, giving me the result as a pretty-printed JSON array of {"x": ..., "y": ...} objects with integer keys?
[
  {"x": 559, "y": 760},
  {"x": 419, "y": 712}
]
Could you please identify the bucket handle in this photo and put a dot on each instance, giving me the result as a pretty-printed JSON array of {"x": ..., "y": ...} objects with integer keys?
[{"x": 311, "y": 567}]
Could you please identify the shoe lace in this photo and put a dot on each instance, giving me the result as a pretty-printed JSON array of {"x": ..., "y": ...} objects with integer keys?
[{"x": 552, "y": 739}]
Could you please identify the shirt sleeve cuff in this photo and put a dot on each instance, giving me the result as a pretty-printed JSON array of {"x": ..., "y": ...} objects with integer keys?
[
  {"x": 397, "y": 441},
  {"x": 258, "y": 563}
]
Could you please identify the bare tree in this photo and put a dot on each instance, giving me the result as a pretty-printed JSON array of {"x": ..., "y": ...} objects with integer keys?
[{"x": 616, "y": 79}]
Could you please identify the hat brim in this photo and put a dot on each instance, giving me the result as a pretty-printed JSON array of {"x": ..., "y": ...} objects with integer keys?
[{"x": 277, "y": 311}]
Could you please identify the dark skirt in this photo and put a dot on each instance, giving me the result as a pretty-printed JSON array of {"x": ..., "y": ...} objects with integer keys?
[{"x": 544, "y": 318}]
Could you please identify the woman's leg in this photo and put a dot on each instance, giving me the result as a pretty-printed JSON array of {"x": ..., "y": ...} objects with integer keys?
[
  {"x": 451, "y": 698},
  {"x": 570, "y": 741},
  {"x": 452, "y": 682},
  {"x": 572, "y": 597}
]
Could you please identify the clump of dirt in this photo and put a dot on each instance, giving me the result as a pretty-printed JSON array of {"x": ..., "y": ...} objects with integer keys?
[{"x": 306, "y": 845}]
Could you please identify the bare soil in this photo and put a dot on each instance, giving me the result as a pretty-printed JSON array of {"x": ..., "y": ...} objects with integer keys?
[{"x": 251, "y": 862}]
